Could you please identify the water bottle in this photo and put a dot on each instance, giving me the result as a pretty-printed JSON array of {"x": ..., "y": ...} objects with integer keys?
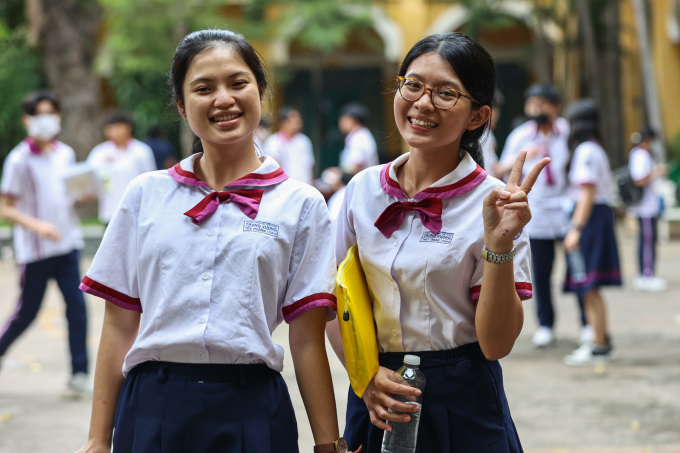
[
  {"x": 402, "y": 438},
  {"x": 577, "y": 266}
]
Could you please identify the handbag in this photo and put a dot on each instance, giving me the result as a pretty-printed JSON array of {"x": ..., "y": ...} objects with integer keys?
[{"x": 357, "y": 328}]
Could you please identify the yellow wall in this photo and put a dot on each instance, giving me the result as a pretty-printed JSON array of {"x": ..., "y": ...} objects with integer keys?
[{"x": 666, "y": 56}]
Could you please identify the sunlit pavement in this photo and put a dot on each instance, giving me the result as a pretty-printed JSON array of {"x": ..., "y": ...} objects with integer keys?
[{"x": 632, "y": 405}]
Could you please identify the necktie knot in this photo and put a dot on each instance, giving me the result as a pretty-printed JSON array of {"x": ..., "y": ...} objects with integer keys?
[
  {"x": 429, "y": 210},
  {"x": 248, "y": 201}
]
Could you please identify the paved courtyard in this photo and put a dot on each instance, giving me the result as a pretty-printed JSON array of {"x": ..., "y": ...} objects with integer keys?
[{"x": 630, "y": 406}]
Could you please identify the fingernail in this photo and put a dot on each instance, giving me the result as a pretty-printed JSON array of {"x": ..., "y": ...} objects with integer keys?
[{"x": 505, "y": 193}]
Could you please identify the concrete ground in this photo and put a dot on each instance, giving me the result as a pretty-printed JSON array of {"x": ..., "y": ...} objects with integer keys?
[{"x": 630, "y": 406}]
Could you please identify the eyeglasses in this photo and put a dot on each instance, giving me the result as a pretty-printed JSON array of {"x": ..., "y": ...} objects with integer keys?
[{"x": 443, "y": 97}]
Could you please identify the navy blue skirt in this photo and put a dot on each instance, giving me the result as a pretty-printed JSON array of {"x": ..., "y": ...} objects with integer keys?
[
  {"x": 178, "y": 408},
  {"x": 600, "y": 253},
  {"x": 464, "y": 406}
]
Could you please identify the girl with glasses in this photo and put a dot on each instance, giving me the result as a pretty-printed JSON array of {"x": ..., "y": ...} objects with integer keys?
[{"x": 445, "y": 257}]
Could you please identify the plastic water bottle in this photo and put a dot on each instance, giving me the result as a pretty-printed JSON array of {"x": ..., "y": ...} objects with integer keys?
[
  {"x": 577, "y": 266},
  {"x": 402, "y": 438}
]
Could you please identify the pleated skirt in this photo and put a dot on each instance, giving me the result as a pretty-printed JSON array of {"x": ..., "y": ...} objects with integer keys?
[
  {"x": 464, "y": 407},
  {"x": 600, "y": 253},
  {"x": 178, "y": 408}
]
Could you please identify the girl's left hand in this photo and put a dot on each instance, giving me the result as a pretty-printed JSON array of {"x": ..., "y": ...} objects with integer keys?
[{"x": 506, "y": 211}]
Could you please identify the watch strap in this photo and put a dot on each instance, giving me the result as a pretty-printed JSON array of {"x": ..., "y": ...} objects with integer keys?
[{"x": 498, "y": 258}]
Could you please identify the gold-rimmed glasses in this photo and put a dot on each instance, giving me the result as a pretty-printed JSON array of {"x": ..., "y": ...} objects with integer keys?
[{"x": 443, "y": 97}]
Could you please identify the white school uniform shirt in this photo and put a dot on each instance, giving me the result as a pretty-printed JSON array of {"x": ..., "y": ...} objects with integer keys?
[
  {"x": 295, "y": 155},
  {"x": 423, "y": 286},
  {"x": 641, "y": 163},
  {"x": 590, "y": 166},
  {"x": 116, "y": 168},
  {"x": 215, "y": 292},
  {"x": 360, "y": 149},
  {"x": 34, "y": 179},
  {"x": 548, "y": 199}
]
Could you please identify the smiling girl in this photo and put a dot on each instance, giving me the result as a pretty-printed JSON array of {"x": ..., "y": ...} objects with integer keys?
[
  {"x": 215, "y": 252},
  {"x": 445, "y": 259}
]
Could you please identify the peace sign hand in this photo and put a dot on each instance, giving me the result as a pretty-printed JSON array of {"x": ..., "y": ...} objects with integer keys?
[{"x": 506, "y": 211}]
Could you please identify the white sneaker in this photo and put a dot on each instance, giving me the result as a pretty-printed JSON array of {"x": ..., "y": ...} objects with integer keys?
[
  {"x": 543, "y": 337},
  {"x": 656, "y": 284},
  {"x": 651, "y": 284},
  {"x": 587, "y": 335},
  {"x": 79, "y": 386},
  {"x": 586, "y": 354}
]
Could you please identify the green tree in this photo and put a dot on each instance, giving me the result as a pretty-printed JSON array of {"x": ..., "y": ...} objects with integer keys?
[{"x": 19, "y": 75}]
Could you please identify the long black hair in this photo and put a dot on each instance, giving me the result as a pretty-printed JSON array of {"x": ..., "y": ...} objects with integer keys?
[
  {"x": 202, "y": 40},
  {"x": 584, "y": 124},
  {"x": 476, "y": 70}
]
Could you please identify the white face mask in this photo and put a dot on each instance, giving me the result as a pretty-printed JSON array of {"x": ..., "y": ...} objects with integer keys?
[{"x": 44, "y": 127}]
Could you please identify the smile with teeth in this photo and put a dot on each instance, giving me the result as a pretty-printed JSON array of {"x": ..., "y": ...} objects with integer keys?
[
  {"x": 422, "y": 123},
  {"x": 218, "y": 119}
]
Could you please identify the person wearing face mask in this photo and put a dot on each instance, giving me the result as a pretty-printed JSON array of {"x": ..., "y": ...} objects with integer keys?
[
  {"x": 47, "y": 236},
  {"x": 544, "y": 134}
]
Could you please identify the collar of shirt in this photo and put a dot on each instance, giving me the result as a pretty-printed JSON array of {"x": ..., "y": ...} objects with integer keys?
[
  {"x": 465, "y": 177},
  {"x": 268, "y": 174},
  {"x": 33, "y": 145}
]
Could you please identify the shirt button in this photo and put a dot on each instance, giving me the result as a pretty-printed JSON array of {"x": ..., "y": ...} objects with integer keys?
[
  {"x": 201, "y": 319},
  {"x": 394, "y": 332},
  {"x": 396, "y": 242},
  {"x": 206, "y": 276},
  {"x": 210, "y": 232},
  {"x": 201, "y": 355}
]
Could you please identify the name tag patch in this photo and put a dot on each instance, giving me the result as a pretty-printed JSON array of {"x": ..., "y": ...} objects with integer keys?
[
  {"x": 261, "y": 227},
  {"x": 440, "y": 238}
]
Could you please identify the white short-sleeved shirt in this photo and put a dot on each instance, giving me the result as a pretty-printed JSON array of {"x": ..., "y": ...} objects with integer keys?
[
  {"x": 360, "y": 149},
  {"x": 641, "y": 163},
  {"x": 34, "y": 179},
  {"x": 116, "y": 168},
  {"x": 215, "y": 292},
  {"x": 295, "y": 155},
  {"x": 548, "y": 199},
  {"x": 590, "y": 166},
  {"x": 424, "y": 286}
]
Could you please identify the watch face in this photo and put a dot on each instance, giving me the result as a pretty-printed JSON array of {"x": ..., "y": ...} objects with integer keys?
[{"x": 342, "y": 446}]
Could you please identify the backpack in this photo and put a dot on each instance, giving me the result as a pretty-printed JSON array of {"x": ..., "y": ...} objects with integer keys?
[{"x": 629, "y": 193}]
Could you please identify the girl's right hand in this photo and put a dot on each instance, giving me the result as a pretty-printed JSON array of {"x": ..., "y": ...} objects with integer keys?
[{"x": 378, "y": 399}]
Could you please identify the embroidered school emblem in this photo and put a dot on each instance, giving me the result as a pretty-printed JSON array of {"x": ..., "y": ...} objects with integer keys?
[
  {"x": 440, "y": 238},
  {"x": 261, "y": 227}
]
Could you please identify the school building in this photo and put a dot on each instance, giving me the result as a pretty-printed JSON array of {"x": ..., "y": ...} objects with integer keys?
[{"x": 529, "y": 40}]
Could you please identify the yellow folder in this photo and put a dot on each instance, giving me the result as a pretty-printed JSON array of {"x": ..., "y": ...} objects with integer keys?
[{"x": 357, "y": 328}]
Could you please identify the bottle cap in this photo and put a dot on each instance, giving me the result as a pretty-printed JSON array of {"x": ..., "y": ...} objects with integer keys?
[{"x": 411, "y": 360}]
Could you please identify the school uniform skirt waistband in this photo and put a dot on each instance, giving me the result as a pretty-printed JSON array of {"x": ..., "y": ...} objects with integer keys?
[
  {"x": 433, "y": 359},
  {"x": 167, "y": 407},
  {"x": 464, "y": 407}
]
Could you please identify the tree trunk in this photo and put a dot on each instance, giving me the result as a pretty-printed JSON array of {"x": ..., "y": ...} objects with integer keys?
[
  {"x": 611, "y": 83},
  {"x": 590, "y": 44},
  {"x": 67, "y": 31}
]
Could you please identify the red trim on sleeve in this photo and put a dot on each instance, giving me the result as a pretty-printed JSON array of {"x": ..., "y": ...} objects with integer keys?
[
  {"x": 315, "y": 300},
  {"x": 93, "y": 287},
  {"x": 524, "y": 291}
]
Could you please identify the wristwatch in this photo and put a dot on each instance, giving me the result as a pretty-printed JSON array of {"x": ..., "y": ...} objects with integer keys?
[
  {"x": 499, "y": 258},
  {"x": 339, "y": 446}
]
